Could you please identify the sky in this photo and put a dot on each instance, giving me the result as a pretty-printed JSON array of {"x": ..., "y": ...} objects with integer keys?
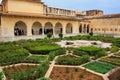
[{"x": 108, "y": 6}]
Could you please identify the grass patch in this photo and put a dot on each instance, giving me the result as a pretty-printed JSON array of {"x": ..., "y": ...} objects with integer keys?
[
  {"x": 99, "y": 67},
  {"x": 35, "y": 59}
]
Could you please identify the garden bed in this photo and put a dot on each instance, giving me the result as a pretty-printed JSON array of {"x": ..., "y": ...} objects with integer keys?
[
  {"x": 19, "y": 72},
  {"x": 99, "y": 67},
  {"x": 26, "y": 72},
  {"x": 72, "y": 60},
  {"x": 112, "y": 60},
  {"x": 72, "y": 73},
  {"x": 13, "y": 56},
  {"x": 115, "y": 74}
]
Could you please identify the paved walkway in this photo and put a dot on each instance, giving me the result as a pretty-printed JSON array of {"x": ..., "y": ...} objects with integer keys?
[
  {"x": 50, "y": 68},
  {"x": 19, "y": 65}
]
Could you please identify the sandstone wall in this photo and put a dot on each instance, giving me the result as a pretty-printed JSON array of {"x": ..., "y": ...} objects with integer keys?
[
  {"x": 24, "y": 6},
  {"x": 106, "y": 26}
]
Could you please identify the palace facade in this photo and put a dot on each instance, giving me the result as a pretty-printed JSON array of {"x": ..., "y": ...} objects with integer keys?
[{"x": 32, "y": 19}]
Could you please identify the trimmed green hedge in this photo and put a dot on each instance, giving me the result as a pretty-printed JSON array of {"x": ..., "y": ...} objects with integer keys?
[
  {"x": 45, "y": 49},
  {"x": 72, "y": 60},
  {"x": 13, "y": 56},
  {"x": 89, "y": 50},
  {"x": 52, "y": 54},
  {"x": 114, "y": 49}
]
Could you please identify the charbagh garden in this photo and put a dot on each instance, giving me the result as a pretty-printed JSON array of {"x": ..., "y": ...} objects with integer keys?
[{"x": 33, "y": 59}]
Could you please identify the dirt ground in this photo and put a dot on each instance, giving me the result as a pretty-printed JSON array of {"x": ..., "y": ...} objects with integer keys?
[
  {"x": 9, "y": 71},
  {"x": 71, "y": 73},
  {"x": 115, "y": 75}
]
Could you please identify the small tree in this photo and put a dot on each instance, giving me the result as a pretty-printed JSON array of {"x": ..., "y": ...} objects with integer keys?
[
  {"x": 91, "y": 33},
  {"x": 49, "y": 35},
  {"x": 61, "y": 36}
]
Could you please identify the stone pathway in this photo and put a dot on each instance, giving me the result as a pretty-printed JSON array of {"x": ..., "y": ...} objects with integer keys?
[
  {"x": 50, "y": 68},
  {"x": 18, "y": 65}
]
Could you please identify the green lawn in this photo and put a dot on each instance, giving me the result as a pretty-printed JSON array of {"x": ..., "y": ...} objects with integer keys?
[
  {"x": 35, "y": 58},
  {"x": 99, "y": 67}
]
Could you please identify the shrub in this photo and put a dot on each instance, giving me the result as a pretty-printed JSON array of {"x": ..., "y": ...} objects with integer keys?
[
  {"x": 61, "y": 36},
  {"x": 71, "y": 60},
  {"x": 91, "y": 33},
  {"x": 49, "y": 35},
  {"x": 89, "y": 50},
  {"x": 52, "y": 54},
  {"x": 79, "y": 52},
  {"x": 42, "y": 69},
  {"x": 114, "y": 49},
  {"x": 13, "y": 56},
  {"x": 45, "y": 49},
  {"x": 11, "y": 46},
  {"x": 117, "y": 42},
  {"x": 24, "y": 75}
]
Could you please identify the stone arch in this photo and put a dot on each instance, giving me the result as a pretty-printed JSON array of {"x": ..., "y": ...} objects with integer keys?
[
  {"x": 48, "y": 28},
  {"x": 88, "y": 28},
  {"x": 80, "y": 28},
  {"x": 91, "y": 29},
  {"x": 36, "y": 28},
  {"x": 20, "y": 28},
  {"x": 58, "y": 28},
  {"x": 69, "y": 28}
]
